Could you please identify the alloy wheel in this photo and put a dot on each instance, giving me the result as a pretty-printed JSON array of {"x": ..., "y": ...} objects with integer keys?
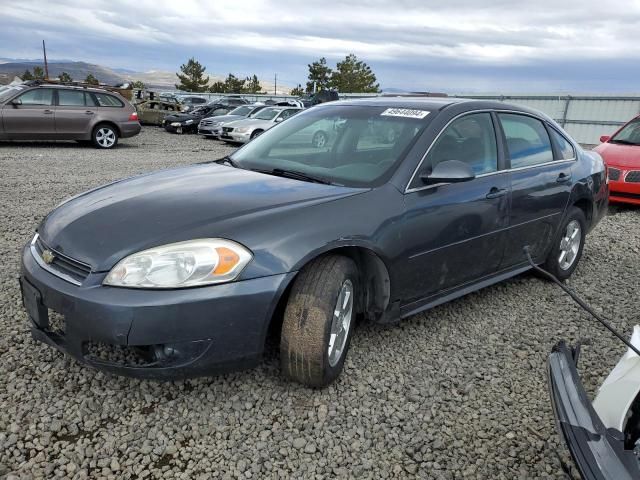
[
  {"x": 341, "y": 323},
  {"x": 105, "y": 137},
  {"x": 570, "y": 245}
]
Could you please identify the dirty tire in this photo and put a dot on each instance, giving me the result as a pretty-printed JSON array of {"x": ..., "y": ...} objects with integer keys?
[
  {"x": 552, "y": 264},
  {"x": 308, "y": 316}
]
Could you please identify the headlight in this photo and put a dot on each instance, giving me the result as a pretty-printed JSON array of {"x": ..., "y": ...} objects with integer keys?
[
  {"x": 243, "y": 129},
  {"x": 176, "y": 124},
  {"x": 183, "y": 264},
  {"x": 189, "y": 122}
]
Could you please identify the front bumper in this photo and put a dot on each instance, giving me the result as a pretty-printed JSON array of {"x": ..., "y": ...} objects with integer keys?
[
  {"x": 206, "y": 330},
  {"x": 597, "y": 451},
  {"x": 235, "y": 137},
  {"x": 210, "y": 131},
  {"x": 624, "y": 192}
]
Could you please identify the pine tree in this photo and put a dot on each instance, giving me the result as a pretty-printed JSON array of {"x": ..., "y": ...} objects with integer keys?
[
  {"x": 354, "y": 76},
  {"x": 319, "y": 73},
  {"x": 64, "y": 77},
  {"x": 27, "y": 75},
  {"x": 38, "y": 73},
  {"x": 91, "y": 80},
  {"x": 192, "y": 78},
  {"x": 138, "y": 85},
  {"x": 252, "y": 85},
  {"x": 297, "y": 92}
]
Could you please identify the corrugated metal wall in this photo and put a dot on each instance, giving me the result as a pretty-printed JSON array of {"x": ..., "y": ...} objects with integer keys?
[{"x": 585, "y": 118}]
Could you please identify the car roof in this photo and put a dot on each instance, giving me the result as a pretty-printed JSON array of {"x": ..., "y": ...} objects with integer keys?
[
  {"x": 71, "y": 87},
  {"x": 436, "y": 104}
]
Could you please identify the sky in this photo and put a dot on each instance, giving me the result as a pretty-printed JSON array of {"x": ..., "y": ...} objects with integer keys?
[{"x": 487, "y": 46}]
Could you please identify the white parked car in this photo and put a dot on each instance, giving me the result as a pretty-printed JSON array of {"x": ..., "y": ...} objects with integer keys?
[{"x": 241, "y": 131}]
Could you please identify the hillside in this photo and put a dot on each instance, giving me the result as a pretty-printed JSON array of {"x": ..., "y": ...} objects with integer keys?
[{"x": 156, "y": 79}]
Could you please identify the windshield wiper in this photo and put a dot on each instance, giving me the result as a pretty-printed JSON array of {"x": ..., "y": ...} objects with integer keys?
[
  {"x": 227, "y": 161},
  {"x": 281, "y": 172}
]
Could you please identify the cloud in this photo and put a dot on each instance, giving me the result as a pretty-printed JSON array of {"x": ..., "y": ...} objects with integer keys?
[{"x": 480, "y": 41}]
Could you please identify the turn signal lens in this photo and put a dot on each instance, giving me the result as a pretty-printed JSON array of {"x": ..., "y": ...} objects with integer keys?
[
  {"x": 133, "y": 117},
  {"x": 227, "y": 260}
]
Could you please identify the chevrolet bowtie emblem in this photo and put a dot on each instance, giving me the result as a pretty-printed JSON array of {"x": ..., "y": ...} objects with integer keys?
[{"x": 48, "y": 256}]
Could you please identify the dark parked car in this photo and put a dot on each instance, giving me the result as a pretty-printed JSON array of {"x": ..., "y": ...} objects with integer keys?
[
  {"x": 44, "y": 111},
  {"x": 187, "y": 269},
  {"x": 188, "y": 122}
]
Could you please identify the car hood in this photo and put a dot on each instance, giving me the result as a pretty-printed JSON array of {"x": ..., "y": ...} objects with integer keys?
[
  {"x": 182, "y": 117},
  {"x": 102, "y": 226},
  {"x": 225, "y": 118},
  {"x": 616, "y": 155}
]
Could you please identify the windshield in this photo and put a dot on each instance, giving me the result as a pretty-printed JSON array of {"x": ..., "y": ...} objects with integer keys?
[
  {"x": 266, "y": 114},
  {"x": 243, "y": 111},
  {"x": 630, "y": 134},
  {"x": 8, "y": 92},
  {"x": 343, "y": 144}
]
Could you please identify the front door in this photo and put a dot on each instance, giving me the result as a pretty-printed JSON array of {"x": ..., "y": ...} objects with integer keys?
[
  {"x": 31, "y": 116},
  {"x": 541, "y": 185},
  {"x": 75, "y": 114},
  {"x": 455, "y": 232}
]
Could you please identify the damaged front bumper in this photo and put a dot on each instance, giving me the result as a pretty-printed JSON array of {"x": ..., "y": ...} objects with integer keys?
[
  {"x": 158, "y": 333},
  {"x": 597, "y": 451}
]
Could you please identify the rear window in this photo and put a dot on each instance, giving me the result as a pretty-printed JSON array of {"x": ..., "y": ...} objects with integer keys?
[
  {"x": 527, "y": 140},
  {"x": 74, "y": 98},
  {"x": 106, "y": 100}
]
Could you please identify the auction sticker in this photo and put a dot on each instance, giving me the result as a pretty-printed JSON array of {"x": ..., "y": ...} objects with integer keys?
[{"x": 404, "y": 112}]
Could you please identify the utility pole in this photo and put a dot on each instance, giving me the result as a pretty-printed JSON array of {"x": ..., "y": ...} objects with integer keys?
[
  {"x": 46, "y": 66},
  {"x": 275, "y": 84}
]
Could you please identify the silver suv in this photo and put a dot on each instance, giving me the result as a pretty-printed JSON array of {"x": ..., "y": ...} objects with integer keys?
[{"x": 42, "y": 111}]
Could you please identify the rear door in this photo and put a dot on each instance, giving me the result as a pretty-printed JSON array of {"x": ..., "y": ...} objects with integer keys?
[
  {"x": 75, "y": 113},
  {"x": 32, "y": 117},
  {"x": 541, "y": 185}
]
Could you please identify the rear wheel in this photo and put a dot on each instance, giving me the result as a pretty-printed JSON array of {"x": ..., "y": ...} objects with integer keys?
[
  {"x": 567, "y": 250},
  {"x": 318, "y": 321},
  {"x": 104, "y": 136}
]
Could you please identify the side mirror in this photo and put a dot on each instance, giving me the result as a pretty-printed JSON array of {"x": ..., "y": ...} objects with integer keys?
[
  {"x": 279, "y": 119},
  {"x": 449, "y": 171},
  {"x": 15, "y": 102},
  {"x": 604, "y": 138}
]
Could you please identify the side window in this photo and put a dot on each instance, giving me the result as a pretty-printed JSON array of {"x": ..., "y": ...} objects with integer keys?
[
  {"x": 470, "y": 139},
  {"x": 38, "y": 96},
  {"x": 71, "y": 98},
  {"x": 105, "y": 100},
  {"x": 527, "y": 140},
  {"x": 567, "y": 151}
]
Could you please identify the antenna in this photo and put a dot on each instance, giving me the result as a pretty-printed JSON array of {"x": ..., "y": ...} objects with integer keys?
[
  {"x": 46, "y": 66},
  {"x": 275, "y": 84}
]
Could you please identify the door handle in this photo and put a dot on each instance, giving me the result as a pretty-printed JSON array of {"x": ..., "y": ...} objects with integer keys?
[
  {"x": 88, "y": 112},
  {"x": 496, "y": 192},
  {"x": 47, "y": 112},
  {"x": 563, "y": 177}
]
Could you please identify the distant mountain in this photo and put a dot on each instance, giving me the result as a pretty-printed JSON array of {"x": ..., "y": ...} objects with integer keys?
[
  {"x": 77, "y": 70},
  {"x": 155, "y": 79}
]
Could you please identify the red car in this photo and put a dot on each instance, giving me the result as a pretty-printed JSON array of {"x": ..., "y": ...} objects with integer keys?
[{"x": 621, "y": 153}]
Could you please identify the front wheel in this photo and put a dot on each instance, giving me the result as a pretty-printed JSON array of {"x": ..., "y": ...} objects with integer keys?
[
  {"x": 255, "y": 134},
  {"x": 319, "y": 139},
  {"x": 318, "y": 321},
  {"x": 104, "y": 136},
  {"x": 567, "y": 250}
]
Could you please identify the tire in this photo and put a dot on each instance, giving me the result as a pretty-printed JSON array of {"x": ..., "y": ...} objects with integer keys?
[
  {"x": 565, "y": 253},
  {"x": 319, "y": 139},
  {"x": 255, "y": 134},
  {"x": 104, "y": 136},
  {"x": 308, "y": 320}
]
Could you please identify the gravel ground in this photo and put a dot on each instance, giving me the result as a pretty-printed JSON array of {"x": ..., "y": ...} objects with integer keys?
[{"x": 457, "y": 392}]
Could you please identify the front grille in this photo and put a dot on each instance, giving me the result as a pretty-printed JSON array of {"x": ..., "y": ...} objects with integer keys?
[
  {"x": 227, "y": 129},
  {"x": 614, "y": 174},
  {"x": 633, "y": 177},
  {"x": 61, "y": 265},
  {"x": 635, "y": 196},
  {"x": 206, "y": 123}
]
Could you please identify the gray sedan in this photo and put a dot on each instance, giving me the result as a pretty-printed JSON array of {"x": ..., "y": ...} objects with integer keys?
[{"x": 241, "y": 131}]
